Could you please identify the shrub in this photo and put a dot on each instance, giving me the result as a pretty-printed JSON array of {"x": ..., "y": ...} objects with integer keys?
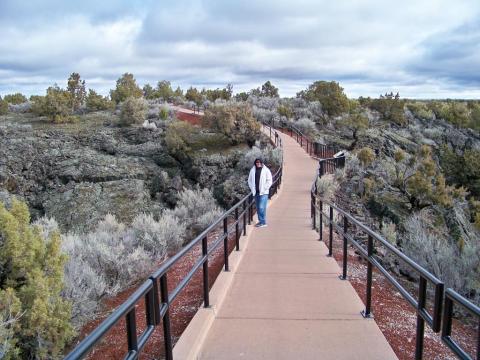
[
  {"x": 31, "y": 281},
  {"x": 126, "y": 87},
  {"x": 163, "y": 113},
  {"x": 326, "y": 187},
  {"x": 178, "y": 137},
  {"x": 356, "y": 122},
  {"x": 197, "y": 209},
  {"x": 272, "y": 157},
  {"x": 231, "y": 191},
  {"x": 3, "y": 107},
  {"x": 56, "y": 105},
  {"x": 329, "y": 94},
  {"x": 457, "y": 267},
  {"x": 133, "y": 111},
  {"x": 97, "y": 102},
  {"x": 306, "y": 126},
  {"x": 235, "y": 121},
  {"x": 391, "y": 108},
  {"x": 420, "y": 110},
  {"x": 112, "y": 257},
  {"x": 366, "y": 156},
  {"x": 15, "y": 99},
  {"x": 156, "y": 236}
]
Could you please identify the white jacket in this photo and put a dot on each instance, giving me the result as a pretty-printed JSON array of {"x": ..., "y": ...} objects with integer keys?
[{"x": 265, "y": 180}]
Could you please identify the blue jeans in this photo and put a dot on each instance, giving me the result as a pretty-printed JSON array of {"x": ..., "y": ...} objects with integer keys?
[{"x": 261, "y": 204}]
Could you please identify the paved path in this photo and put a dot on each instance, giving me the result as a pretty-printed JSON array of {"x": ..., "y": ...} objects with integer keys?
[{"x": 286, "y": 300}]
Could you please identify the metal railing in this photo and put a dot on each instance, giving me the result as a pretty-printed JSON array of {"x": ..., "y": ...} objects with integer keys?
[
  {"x": 446, "y": 299},
  {"x": 452, "y": 298},
  {"x": 154, "y": 291}
]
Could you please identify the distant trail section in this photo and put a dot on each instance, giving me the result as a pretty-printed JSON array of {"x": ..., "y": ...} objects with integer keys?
[{"x": 193, "y": 117}]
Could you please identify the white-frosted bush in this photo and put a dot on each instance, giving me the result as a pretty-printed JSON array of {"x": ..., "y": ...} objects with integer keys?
[
  {"x": 197, "y": 209},
  {"x": 326, "y": 187},
  {"x": 440, "y": 255},
  {"x": 272, "y": 157},
  {"x": 306, "y": 126},
  {"x": 352, "y": 165}
]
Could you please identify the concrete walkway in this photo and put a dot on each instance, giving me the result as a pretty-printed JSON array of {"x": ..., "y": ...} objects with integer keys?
[{"x": 286, "y": 300}]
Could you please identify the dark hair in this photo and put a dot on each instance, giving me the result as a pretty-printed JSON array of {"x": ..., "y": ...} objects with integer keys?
[{"x": 257, "y": 159}]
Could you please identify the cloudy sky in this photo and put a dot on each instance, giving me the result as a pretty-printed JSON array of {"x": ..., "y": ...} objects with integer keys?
[{"x": 422, "y": 48}]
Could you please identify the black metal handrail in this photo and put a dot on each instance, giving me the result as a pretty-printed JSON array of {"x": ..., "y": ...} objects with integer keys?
[
  {"x": 442, "y": 298},
  {"x": 451, "y": 298},
  {"x": 154, "y": 291}
]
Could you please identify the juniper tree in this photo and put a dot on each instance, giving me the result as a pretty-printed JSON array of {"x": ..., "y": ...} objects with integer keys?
[
  {"x": 126, "y": 87},
  {"x": 31, "y": 269},
  {"x": 76, "y": 88}
]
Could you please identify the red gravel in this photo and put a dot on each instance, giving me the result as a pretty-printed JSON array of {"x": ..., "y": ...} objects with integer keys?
[
  {"x": 395, "y": 317},
  {"x": 182, "y": 310}
]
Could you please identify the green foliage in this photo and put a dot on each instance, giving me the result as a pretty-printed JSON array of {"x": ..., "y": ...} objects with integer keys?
[
  {"x": 76, "y": 88},
  {"x": 194, "y": 95},
  {"x": 420, "y": 110},
  {"x": 126, "y": 87},
  {"x": 235, "y": 121},
  {"x": 463, "y": 170},
  {"x": 366, "y": 156},
  {"x": 267, "y": 90},
  {"x": 56, "y": 105},
  {"x": 225, "y": 93},
  {"x": 356, "y": 122},
  {"x": 178, "y": 92},
  {"x": 242, "y": 96},
  {"x": 391, "y": 108},
  {"x": 284, "y": 110},
  {"x": 31, "y": 282},
  {"x": 178, "y": 137},
  {"x": 133, "y": 111},
  {"x": 330, "y": 94},
  {"x": 163, "y": 113},
  {"x": 97, "y": 102},
  {"x": 15, "y": 99},
  {"x": 149, "y": 92},
  {"x": 164, "y": 90},
  {"x": 3, "y": 107}
]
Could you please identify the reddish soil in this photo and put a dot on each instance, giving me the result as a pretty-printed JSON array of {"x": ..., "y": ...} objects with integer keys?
[
  {"x": 182, "y": 309},
  {"x": 194, "y": 119},
  {"x": 395, "y": 317}
]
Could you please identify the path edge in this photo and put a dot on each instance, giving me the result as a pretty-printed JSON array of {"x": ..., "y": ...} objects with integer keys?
[{"x": 190, "y": 343}]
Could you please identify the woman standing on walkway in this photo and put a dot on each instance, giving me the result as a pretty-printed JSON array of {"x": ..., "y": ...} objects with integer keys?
[{"x": 259, "y": 181}]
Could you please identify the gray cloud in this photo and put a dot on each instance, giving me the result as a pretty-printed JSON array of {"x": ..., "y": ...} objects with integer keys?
[{"x": 370, "y": 47}]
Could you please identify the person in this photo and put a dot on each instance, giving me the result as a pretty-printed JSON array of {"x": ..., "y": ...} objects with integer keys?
[{"x": 259, "y": 182}]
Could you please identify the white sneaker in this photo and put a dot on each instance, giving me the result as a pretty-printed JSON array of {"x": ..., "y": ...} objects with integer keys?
[{"x": 262, "y": 225}]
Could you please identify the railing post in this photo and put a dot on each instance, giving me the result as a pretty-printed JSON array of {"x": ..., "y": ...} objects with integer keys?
[
  {"x": 237, "y": 231},
  {"x": 330, "y": 240},
  {"x": 313, "y": 215},
  {"x": 206, "y": 299},
  {"x": 225, "y": 243},
  {"x": 321, "y": 169},
  {"x": 344, "y": 263},
  {"x": 131, "y": 331},
  {"x": 150, "y": 307},
  {"x": 367, "y": 313},
  {"x": 244, "y": 218},
  {"x": 321, "y": 221},
  {"x": 166, "y": 318},
  {"x": 422, "y": 294}
]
